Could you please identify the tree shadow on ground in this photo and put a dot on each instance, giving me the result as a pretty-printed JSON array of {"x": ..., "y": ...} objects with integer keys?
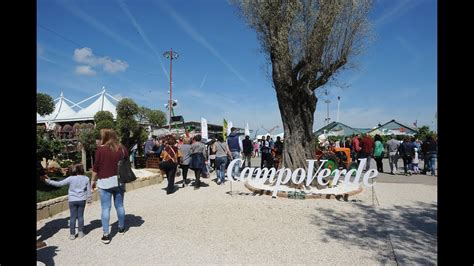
[
  {"x": 46, "y": 254},
  {"x": 410, "y": 229},
  {"x": 130, "y": 221},
  {"x": 52, "y": 227},
  {"x": 238, "y": 193}
]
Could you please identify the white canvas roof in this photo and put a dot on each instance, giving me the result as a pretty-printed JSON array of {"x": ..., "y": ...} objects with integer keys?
[
  {"x": 62, "y": 111},
  {"x": 101, "y": 104},
  {"x": 65, "y": 113}
]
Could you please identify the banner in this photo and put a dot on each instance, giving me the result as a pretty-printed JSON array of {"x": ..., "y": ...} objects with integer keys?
[
  {"x": 247, "y": 131},
  {"x": 229, "y": 127},
  {"x": 224, "y": 130},
  {"x": 204, "y": 129}
]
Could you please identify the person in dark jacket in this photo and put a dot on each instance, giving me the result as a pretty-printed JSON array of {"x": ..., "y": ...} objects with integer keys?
[
  {"x": 406, "y": 151},
  {"x": 278, "y": 148},
  {"x": 248, "y": 150}
]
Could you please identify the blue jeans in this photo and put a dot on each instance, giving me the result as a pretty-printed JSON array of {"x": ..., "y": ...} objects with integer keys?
[
  {"x": 220, "y": 166},
  {"x": 106, "y": 202},
  {"x": 432, "y": 164},
  {"x": 236, "y": 170},
  {"x": 76, "y": 208}
]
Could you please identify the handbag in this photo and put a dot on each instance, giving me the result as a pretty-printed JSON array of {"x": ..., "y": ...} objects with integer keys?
[
  {"x": 124, "y": 170},
  {"x": 197, "y": 161}
]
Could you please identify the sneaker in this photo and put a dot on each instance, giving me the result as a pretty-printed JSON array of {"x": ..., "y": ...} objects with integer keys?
[
  {"x": 105, "y": 239},
  {"x": 80, "y": 234},
  {"x": 121, "y": 231},
  {"x": 72, "y": 237}
]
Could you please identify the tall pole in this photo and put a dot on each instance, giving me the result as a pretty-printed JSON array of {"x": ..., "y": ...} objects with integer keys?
[
  {"x": 338, "y": 102},
  {"x": 170, "y": 55},
  {"x": 327, "y": 117},
  {"x": 171, "y": 87}
]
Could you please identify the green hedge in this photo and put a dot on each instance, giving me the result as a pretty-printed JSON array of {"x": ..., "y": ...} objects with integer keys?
[
  {"x": 47, "y": 195},
  {"x": 46, "y": 192}
]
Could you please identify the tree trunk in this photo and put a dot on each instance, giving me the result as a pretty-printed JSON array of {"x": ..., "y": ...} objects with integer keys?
[
  {"x": 297, "y": 112},
  {"x": 84, "y": 157}
]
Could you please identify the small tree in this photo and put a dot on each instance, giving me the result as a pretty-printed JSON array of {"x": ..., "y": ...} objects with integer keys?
[
  {"x": 44, "y": 104},
  {"x": 103, "y": 115},
  {"x": 103, "y": 119},
  {"x": 423, "y": 132},
  {"x": 127, "y": 110},
  {"x": 101, "y": 125},
  {"x": 87, "y": 138},
  {"x": 156, "y": 118}
]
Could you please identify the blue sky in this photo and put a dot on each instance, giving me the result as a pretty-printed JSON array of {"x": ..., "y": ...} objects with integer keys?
[{"x": 85, "y": 45}]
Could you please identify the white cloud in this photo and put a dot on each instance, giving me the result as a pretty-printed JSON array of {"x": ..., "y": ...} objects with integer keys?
[
  {"x": 85, "y": 70},
  {"x": 86, "y": 56}
]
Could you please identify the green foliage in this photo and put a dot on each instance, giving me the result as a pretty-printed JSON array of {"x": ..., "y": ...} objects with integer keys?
[
  {"x": 127, "y": 110},
  {"x": 46, "y": 192},
  {"x": 423, "y": 132},
  {"x": 157, "y": 118},
  {"x": 44, "y": 104},
  {"x": 101, "y": 125},
  {"x": 103, "y": 115},
  {"x": 334, "y": 139},
  {"x": 65, "y": 163},
  {"x": 48, "y": 147},
  {"x": 139, "y": 135},
  {"x": 88, "y": 140}
]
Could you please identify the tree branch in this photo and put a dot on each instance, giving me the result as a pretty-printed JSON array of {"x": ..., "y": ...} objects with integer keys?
[{"x": 324, "y": 78}]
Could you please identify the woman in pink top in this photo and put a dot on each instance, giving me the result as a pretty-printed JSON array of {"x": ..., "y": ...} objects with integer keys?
[{"x": 255, "y": 148}]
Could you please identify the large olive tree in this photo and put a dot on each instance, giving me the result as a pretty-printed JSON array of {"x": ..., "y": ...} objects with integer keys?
[{"x": 307, "y": 42}]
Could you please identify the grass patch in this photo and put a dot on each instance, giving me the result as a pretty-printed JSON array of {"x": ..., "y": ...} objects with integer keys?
[{"x": 47, "y": 192}]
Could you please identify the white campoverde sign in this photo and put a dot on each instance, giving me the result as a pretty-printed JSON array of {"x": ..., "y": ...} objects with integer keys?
[{"x": 299, "y": 175}]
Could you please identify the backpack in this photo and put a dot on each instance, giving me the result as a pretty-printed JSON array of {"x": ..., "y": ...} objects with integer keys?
[{"x": 124, "y": 170}]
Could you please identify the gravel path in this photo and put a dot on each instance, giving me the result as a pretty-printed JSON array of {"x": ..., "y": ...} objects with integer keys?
[{"x": 213, "y": 226}]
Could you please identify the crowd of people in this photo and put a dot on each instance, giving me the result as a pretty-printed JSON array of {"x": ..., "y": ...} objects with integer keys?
[
  {"x": 203, "y": 158},
  {"x": 409, "y": 149}
]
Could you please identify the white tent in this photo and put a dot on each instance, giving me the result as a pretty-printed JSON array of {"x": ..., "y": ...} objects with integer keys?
[
  {"x": 65, "y": 113},
  {"x": 101, "y": 104},
  {"x": 62, "y": 112}
]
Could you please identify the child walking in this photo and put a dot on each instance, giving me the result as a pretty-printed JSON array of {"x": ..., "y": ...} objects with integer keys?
[{"x": 79, "y": 192}]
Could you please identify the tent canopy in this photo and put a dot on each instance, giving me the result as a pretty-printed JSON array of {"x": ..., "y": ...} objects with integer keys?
[{"x": 63, "y": 112}]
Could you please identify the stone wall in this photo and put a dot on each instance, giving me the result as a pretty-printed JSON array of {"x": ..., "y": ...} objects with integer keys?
[{"x": 54, "y": 206}]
